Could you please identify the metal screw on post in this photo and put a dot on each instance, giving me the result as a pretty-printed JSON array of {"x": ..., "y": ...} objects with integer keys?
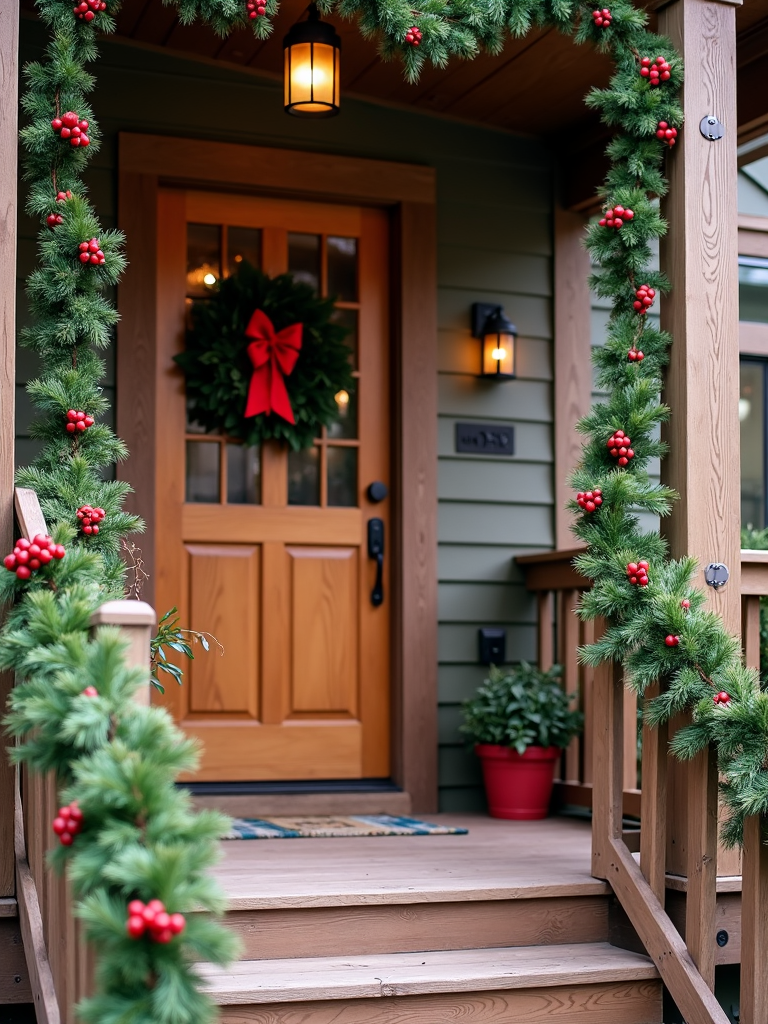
[
  {"x": 710, "y": 128},
  {"x": 716, "y": 575}
]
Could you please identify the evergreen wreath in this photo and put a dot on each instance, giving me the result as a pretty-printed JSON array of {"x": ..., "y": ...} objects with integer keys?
[
  {"x": 217, "y": 369},
  {"x": 136, "y": 838}
]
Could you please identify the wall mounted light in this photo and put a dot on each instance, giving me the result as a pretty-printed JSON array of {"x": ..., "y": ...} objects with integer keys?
[
  {"x": 311, "y": 54},
  {"x": 498, "y": 337}
]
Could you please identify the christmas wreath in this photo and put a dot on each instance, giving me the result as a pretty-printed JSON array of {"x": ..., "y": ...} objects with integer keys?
[{"x": 264, "y": 359}]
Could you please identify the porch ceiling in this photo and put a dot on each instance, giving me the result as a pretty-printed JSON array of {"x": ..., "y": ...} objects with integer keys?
[{"x": 535, "y": 86}]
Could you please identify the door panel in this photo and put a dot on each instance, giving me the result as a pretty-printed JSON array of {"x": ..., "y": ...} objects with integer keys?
[
  {"x": 266, "y": 549},
  {"x": 323, "y": 613},
  {"x": 224, "y": 600}
]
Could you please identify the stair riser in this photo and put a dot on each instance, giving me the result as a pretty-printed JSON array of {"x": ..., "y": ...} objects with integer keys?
[
  {"x": 403, "y": 928},
  {"x": 609, "y": 1003}
]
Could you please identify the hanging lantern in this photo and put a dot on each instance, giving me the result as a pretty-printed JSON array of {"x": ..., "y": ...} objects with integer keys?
[
  {"x": 312, "y": 49},
  {"x": 498, "y": 338}
]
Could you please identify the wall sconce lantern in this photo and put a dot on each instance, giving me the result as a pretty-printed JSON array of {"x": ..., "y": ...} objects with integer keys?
[
  {"x": 498, "y": 337},
  {"x": 311, "y": 51}
]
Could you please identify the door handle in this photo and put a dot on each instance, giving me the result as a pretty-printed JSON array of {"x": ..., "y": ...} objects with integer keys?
[{"x": 376, "y": 551}]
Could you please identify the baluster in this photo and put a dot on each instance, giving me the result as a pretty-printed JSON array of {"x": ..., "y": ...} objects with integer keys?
[
  {"x": 754, "y": 924},
  {"x": 653, "y": 805},
  {"x": 607, "y": 796},
  {"x": 546, "y": 629}
]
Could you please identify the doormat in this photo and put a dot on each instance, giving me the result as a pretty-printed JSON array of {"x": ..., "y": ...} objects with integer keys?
[{"x": 330, "y": 827}]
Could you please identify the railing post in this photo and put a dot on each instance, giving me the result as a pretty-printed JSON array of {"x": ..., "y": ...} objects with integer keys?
[
  {"x": 546, "y": 630},
  {"x": 754, "y": 924},
  {"x": 608, "y": 757},
  {"x": 136, "y": 620}
]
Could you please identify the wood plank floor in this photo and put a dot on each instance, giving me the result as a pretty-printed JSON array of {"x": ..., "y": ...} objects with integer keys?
[{"x": 497, "y": 860}]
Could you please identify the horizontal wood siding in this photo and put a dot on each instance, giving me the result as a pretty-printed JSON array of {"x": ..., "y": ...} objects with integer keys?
[{"x": 494, "y": 245}]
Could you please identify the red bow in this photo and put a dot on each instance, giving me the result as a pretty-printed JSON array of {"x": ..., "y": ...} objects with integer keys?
[{"x": 273, "y": 357}]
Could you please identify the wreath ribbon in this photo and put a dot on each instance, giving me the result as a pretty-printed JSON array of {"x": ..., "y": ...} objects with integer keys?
[{"x": 273, "y": 356}]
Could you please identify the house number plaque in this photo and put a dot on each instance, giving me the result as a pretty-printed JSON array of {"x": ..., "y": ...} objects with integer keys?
[{"x": 485, "y": 439}]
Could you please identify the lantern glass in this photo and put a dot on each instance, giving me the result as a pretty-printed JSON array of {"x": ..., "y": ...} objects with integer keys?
[
  {"x": 498, "y": 355},
  {"x": 312, "y": 68}
]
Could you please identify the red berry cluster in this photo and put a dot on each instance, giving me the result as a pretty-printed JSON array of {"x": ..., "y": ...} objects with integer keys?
[
  {"x": 685, "y": 604},
  {"x": 256, "y": 8},
  {"x": 637, "y": 574},
  {"x": 90, "y": 691},
  {"x": 722, "y": 699},
  {"x": 644, "y": 298},
  {"x": 68, "y": 823},
  {"x": 655, "y": 71},
  {"x": 153, "y": 919},
  {"x": 89, "y": 518},
  {"x": 90, "y": 252},
  {"x": 70, "y": 126},
  {"x": 602, "y": 18},
  {"x": 618, "y": 445},
  {"x": 88, "y": 9},
  {"x": 635, "y": 355},
  {"x": 666, "y": 133},
  {"x": 671, "y": 640},
  {"x": 54, "y": 219},
  {"x": 30, "y": 555},
  {"x": 413, "y": 36},
  {"x": 77, "y": 420},
  {"x": 616, "y": 217},
  {"x": 589, "y": 500}
]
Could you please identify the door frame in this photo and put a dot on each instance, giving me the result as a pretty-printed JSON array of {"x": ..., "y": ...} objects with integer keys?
[{"x": 148, "y": 162}]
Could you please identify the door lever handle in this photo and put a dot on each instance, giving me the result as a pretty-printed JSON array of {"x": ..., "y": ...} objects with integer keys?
[{"x": 376, "y": 551}]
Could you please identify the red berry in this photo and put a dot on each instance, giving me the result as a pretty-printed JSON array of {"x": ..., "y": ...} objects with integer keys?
[
  {"x": 70, "y": 119},
  {"x": 66, "y": 838},
  {"x": 178, "y": 924},
  {"x": 672, "y": 641},
  {"x": 10, "y": 562},
  {"x": 59, "y": 825},
  {"x": 90, "y": 691},
  {"x": 59, "y": 551},
  {"x": 135, "y": 907},
  {"x": 164, "y": 936},
  {"x": 685, "y": 604},
  {"x": 135, "y": 926},
  {"x": 23, "y": 573}
]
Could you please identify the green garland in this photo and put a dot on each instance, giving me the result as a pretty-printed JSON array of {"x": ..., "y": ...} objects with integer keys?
[
  {"x": 217, "y": 369},
  {"x": 139, "y": 838}
]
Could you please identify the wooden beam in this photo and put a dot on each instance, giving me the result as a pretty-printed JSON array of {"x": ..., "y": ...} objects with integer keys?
[
  {"x": 753, "y": 1004},
  {"x": 699, "y": 255},
  {"x": 572, "y": 357},
  {"x": 39, "y": 967},
  {"x": 9, "y": 144}
]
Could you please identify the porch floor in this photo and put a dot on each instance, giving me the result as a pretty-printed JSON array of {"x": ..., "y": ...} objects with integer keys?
[{"x": 496, "y": 860}]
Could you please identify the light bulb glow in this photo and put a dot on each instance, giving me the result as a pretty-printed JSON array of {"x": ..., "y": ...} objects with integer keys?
[
  {"x": 209, "y": 279},
  {"x": 498, "y": 354},
  {"x": 342, "y": 399}
]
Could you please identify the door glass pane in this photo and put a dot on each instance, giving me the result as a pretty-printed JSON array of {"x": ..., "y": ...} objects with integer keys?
[
  {"x": 348, "y": 319},
  {"x": 342, "y": 268},
  {"x": 342, "y": 477},
  {"x": 203, "y": 471},
  {"x": 203, "y": 258},
  {"x": 304, "y": 477},
  {"x": 243, "y": 475},
  {"x": 304, "y": 258},
  {"x": 753, "y": 289},
  {"x": 751, "y": 417},
  {"x": 243, "y": 244},
  {"x": 345, "y": 424}
]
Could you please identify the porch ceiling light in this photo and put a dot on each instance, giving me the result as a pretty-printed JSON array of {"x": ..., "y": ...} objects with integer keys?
[
  {"x": 312, "y": 50},
  {"x": 498, "y": 338}
]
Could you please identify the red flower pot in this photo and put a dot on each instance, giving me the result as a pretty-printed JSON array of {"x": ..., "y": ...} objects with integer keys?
[{"x": 518, "y": 786}]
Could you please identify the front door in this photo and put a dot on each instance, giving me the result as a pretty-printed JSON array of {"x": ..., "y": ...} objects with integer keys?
[{"x": 267, "y": 549}]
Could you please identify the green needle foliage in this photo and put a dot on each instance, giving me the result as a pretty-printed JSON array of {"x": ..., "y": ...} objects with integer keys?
[{"x": 119, "y": 761}]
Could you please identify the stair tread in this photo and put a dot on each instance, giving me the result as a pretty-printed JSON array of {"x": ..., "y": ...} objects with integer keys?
[{"x": 410, "y": 974}]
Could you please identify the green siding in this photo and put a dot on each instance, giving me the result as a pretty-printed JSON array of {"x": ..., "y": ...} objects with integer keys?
[{"x": 494, "y": 245}]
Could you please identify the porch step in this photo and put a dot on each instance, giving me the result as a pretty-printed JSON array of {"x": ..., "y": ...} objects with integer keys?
[{"x": 583, "y": 983}]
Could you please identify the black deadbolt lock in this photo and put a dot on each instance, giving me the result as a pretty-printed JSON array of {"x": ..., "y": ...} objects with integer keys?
[
  {"x": 722, "y": 937},
  {"x": 377, "y": 491}
]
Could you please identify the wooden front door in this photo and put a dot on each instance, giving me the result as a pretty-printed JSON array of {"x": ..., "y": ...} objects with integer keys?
[{"x": 267, "y": 549}]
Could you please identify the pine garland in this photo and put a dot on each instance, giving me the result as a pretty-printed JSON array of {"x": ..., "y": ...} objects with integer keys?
[{"x": 72, "y": 710}]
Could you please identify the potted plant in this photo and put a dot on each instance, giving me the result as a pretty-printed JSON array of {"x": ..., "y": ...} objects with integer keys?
[{"x": 519, "y": 722}]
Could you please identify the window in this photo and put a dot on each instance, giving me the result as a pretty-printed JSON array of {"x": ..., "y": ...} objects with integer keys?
[{"x": 753, "y": 414}]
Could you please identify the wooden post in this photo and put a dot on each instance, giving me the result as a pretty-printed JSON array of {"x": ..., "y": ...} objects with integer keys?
[
  {"x": 699, "y": 255},
  {"x": 608, "y": 743},
  {"x": 9, "y": 145},
  {"x": 754, "y": 924},
  {"x": 572, "y": 356},
  {"x": 136, "y": 620}
]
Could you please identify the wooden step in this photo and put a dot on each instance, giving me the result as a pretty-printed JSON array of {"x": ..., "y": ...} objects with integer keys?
[
  {"x": 401, "y": 928},
  {"x": 583, "y": 983}
]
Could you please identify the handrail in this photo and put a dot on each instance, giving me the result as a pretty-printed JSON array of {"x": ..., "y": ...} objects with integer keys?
[
  {"x": 59, "y": 961},
  {"x": 610, "y": 742}
]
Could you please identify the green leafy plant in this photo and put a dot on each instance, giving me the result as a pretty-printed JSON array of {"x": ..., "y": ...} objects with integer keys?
[
  {"x": 170, "y": 634},
  {"x": 522, "y": 707}
]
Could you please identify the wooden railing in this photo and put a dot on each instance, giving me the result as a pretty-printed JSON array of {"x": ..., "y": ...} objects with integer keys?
[
  {"x": 600, "y": 770},
  {"x": 59, "y": 961}
]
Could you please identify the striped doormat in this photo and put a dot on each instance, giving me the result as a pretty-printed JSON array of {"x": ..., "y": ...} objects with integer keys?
[{"x": 330, "y": 827}]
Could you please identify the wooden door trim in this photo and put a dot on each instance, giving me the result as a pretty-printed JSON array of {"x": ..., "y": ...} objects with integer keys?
[{"x": 145, "y": 163}]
